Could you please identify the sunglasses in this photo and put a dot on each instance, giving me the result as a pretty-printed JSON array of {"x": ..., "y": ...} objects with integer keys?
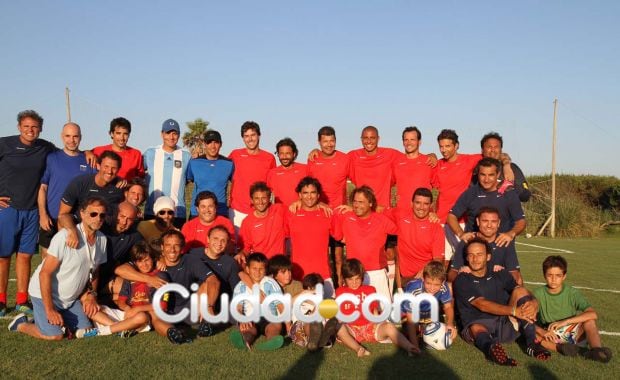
[
  {"x": 97, "y": 214},
  {"x": 166, "y": 212}
]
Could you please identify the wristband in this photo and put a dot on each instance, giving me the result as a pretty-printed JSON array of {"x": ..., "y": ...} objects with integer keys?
[{"x": 514, "y": 311}]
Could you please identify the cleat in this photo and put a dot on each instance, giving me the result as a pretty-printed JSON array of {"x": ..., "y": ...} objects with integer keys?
[
  {"x": 316, "y": 330},
  {"x": 205, "y": 329},
  {"x": 539, "y": 352},
  {"x": 86, "y": 333},
  {"x": 498, "y": 355},
  {"x": 18, "y": 320},
  {"x": 176, "y": 336},
  {"x": 25, "y": 308}
]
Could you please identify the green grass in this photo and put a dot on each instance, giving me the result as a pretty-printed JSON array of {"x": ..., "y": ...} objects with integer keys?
[{"x": 594, "y": 263}]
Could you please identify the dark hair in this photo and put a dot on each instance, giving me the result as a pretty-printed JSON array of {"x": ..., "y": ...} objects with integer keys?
[
  {"x": 555, "y": 262},
  {"x": 278, "y": 263},
  {"x": 413, "y": 128},
  {"x": 326, "y": 131},
  {"x": 478, "y": 240},
  {"x": 120, "y": 122},
  {"x": 368, "y": 193},
  {"x": 311, "y": 280},
  {"x": 352, "y": 268},
  {"x": 31, "y": 114},
  {"x": 111, "y": 155},
  {"x": 140, "y": 250},
  {"x": 250, "y": 125},
  {"x": 309, "y": 181},
  {"x": 287, "y": 141},
  {"x": 370, "y": 128},
  {"x": 488, "y": 162},
  {"x": 487, "y": 210},
  {"x": 492, "y": 135},
  {"x": 171, "y": 232},
  {"x": 218, "y": 227},
  {"x": 137, "y": 181},
  {"x": 422, "y": 192},
  {"x": 434, "y": 269},
  {"x": 256, "y": 257},
  {"x": 205, "y": 195},
  {"x": 448, "y": 134},
  {"x": 259, "y": 186},
  {"x": 92, "y": 200}
]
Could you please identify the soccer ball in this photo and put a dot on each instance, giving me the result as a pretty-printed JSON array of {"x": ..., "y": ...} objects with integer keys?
[
  {"x": 568, "y": 333},
  {"x": 436, "y": 336}
]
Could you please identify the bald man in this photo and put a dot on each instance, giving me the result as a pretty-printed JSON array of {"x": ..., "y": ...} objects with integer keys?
[{"x": 61, "y": 167}]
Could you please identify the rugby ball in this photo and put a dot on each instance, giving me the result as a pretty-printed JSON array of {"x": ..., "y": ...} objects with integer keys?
[{"x": 436, "y": 336}]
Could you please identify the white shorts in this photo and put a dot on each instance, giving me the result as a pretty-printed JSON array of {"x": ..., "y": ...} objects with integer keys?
[
  {"x": 451, "y": 241},
  {"x": 118, "y": 315},
  {"x": 379, "y": 279}
]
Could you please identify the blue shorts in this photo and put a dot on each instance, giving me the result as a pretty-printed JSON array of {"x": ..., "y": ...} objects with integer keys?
[
  {"x": 19, "y": 231},
  {"x": 73, "y": 317}
]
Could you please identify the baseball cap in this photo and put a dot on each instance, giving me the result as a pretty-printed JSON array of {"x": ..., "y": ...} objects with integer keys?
[
  {"x": 170, "y": 125},
  {"x": 212, "y": 135},
  {"x": 163, "y": 203}
]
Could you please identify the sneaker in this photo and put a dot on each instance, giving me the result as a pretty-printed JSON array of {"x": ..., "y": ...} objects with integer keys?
[
  {"x": 25, "y": 308},
  {"x": 86, "y": 333},
  {"x": 271, "y": 344},
  {"x": 205, "y": 329},
  {"x": 237, "y": 340},
  {"x": 2, "y": 309},
  {"x": 537, "y": 351},
  {"x": 498, "y": 355},
  {"x": 567, "y": 349},
  {"x": 329, "y": 331},
  {"x": 18, "y": 320},
  {"x": 176, "y": 336},
  {"x": 127, "y": 333},
  {"x": 599, "y": 354},
  {"x": 316, "y": 330}
]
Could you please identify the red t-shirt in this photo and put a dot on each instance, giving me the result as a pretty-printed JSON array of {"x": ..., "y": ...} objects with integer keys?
[
  {"x": 249, "y": 168},
  {"x": 452, "y": 178},
  {"x": 361, "y": 293},
  {"x": 283, "y": 182},
  {"x": 131, "y": 165},
  {"x": 266, "y": 234},
  {"x": 374, "y": 171},
  {"x": 332, "y": 173},
  {"x": 410, "y": 174},
  {"x": 197, "y": 234},
  {"x": 309, "y": 232},
  {"x": 419, "y": 242},
  {"x": 365, "y": 238}
]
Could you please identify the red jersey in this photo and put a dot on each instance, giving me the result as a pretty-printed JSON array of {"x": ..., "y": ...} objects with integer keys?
[
  {"x": 452, "y": 178},
  {"x": 131, "y": 164},
  {"x": 309, "y": 232},
  {"x": 348, "y": 307},
  {"x": 410, "y": 174},
  {"x": 374, "y": 171},
  {"x": 419, "y": 242},
  {"x": 332, "y": 173},
  {"x": 249, "y": 168},
  {"x": 266, "y": 234},
  {"x": 283, "y": 182},
  {"x": 197, "y": 234},
  {"x": 365, "y": 238}
]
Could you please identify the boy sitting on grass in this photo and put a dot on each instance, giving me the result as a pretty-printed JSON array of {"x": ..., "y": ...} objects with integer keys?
[
  {"x": 280, "y": 268},
  {"x": 361, "y": 329},
  {"x": 433, "y": 281},
  {"x": 244, "y": 335},
  {"x": 565, "y": 317}
]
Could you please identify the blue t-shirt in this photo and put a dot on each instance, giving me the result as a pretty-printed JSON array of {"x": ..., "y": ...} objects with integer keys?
[
  {"x": 211, "y": 175},
  {"x": 416, "y": 287},
  {"x": 60, "y": 169},
  {"x": 174, "y": 166},
  {"x": 474, "y": 198}
]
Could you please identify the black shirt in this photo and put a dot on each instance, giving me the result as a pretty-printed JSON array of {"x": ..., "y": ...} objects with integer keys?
[
  {"x": 188, "y": 271},
  {"x": 225, "y": 268}
]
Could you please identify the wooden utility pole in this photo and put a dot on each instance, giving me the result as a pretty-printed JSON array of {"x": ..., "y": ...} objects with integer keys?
[
  {"x": 555, "y": 128},
  {"x": 68, "y": 104}
]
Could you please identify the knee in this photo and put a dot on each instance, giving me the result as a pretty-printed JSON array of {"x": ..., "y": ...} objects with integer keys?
[
  {"x": 52, "y": 337},
  {"x": 476, "y": 329}
]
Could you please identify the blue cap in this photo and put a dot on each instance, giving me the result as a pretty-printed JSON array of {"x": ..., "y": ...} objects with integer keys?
[{"x": 170, "y": 125}]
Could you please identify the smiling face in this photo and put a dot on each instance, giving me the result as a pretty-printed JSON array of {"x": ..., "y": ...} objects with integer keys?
[
  {"x": 251, "y": 139},
  {"x": 93, "y": 216},
  {"x": 135, "y": 195},
  {"x": 171, "y": 248},
  {"x": 327, "y": 145},
  {"x": 488, "y": 224},
  {"x": 361, "y": 205},
  {"x": 432, "y": 285},
  {"x": 145, "y": 264},
  {"x": 170, "y": 140},
  {"x": 260, "y": 201},
  {"x": 487, "y": 178},
  {"x": 448, "y": 149},
  {"x": 218, "y": 240},
  {"x": 71, "y": 137},
  {"x": 207, "y": 210},
  {"x": 370, "y": 140},
  {"x": 477, "y": 258},
  {"x": 165, "y": 217},
  {"x": 492, "y": 148},
  {"x": 126, "y": 216},
  {"x": 256, "y": 271},
  {"x": 107, "y": 170},
  {"x": 421, "y": 206},
  {"x": 29, "y": 130},
  {"x": 286, "y": 156},
  {"x": 212, "y": 149},
  {"x": 411, "y": 142},
  {"x": 309, "y": 197},
  {"x": 120, "y": 136}
]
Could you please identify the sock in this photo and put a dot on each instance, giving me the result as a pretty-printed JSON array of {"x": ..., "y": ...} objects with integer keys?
[
  {"x": 528, "y": 329},
  {"x": 105, "y": 330},
  {"x": 21, "y": 297},
  {"x": 3, "y": 298},
  {"x": 391, "y": 274},
  {"x": 483, "y": 341}
]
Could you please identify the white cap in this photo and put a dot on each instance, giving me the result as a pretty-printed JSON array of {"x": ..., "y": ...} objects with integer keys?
[{"x": 163, "y": 203}]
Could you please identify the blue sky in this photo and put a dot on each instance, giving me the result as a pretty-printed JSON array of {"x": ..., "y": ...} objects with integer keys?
[{"x": 296, "y": 66}]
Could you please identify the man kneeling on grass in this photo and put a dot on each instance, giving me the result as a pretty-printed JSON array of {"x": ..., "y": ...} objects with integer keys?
[{"x": 493, "y": 308}]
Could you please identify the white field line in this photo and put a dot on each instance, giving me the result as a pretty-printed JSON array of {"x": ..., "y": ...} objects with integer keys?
[
  {"x": 580, "y": 287},
  {"x": 549, "y": 248}
]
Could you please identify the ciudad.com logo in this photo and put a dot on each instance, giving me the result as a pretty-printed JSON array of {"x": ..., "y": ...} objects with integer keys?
[{"x": 238, "y": 309}]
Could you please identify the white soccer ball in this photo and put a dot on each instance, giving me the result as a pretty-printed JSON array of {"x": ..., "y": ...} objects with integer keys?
[
  {"x": 568, "y": 333},
  {"x": 436, "y": 336}
]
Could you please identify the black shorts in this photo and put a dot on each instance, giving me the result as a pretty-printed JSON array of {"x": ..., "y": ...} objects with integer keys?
[
  {"x": 499, "y": 327},
  {"x": 45, "y": 237},
  {"x": 333, "y": 243}
]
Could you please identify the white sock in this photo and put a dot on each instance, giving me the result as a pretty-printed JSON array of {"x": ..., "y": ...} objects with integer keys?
[
  {"x": 105, "y": 330},
  {"x": 391, "y": 274}
]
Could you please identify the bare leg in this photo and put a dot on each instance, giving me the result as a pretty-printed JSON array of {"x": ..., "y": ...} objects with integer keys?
[
  {"x": 272, "y": 330},
  {"x": 5, "y": 263},
  {"x": 592, "y": 334},
  {"x": 388, "y": 330},
  {"x": 345, "y": 337},
  {"x": 22, "y": 271},
  {"x": 412, "y": 333},
  {"x": 32, "y": 330}
]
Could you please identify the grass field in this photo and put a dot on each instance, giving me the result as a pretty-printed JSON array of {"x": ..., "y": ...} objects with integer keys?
[{"x": 593, "y": 263}]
